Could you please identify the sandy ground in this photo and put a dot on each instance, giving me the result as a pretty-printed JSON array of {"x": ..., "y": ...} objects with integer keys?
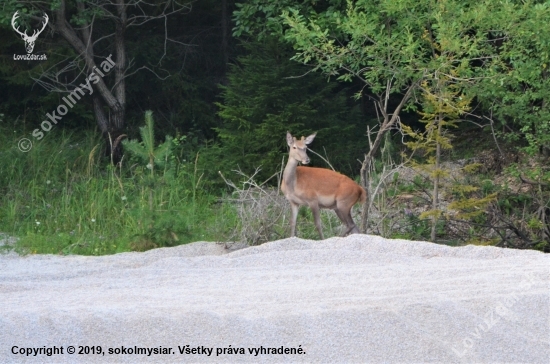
[{"x": 360, "y": 299}]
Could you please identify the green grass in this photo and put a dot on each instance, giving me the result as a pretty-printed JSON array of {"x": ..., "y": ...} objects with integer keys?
[{"x": 63, "y": 197}]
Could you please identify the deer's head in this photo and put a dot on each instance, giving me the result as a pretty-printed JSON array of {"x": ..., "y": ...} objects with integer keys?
[
  {"x": 298, "y": 148},
  {"x": 29, "y": 40}
]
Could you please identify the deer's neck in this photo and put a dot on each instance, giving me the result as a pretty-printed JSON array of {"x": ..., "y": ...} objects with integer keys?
[{"x": 289, "y": 174}]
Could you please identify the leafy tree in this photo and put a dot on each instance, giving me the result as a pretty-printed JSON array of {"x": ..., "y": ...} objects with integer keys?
[
  {"x": 516, "y": 101},
  {"x": 516, "y": 96}
]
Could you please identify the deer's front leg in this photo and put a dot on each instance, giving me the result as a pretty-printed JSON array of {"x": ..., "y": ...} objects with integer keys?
[{"x": 294, "y": 215}]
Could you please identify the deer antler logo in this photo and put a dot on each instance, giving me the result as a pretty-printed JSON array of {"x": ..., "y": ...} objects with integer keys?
[{"x": 29, "y": 40}]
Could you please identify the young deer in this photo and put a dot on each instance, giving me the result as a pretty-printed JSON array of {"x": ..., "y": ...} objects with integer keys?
[{"x": 318, "y": 188}]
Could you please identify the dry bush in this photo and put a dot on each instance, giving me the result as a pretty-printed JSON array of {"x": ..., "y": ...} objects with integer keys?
[{"x": 263, "y": 213}]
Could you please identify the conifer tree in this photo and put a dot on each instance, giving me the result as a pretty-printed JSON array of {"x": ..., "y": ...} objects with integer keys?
[
  {"x": 147, "y": 152},
  {"x": 443, "y": 102}
]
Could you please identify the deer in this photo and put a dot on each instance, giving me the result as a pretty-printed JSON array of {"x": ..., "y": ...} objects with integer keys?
[
  {"x": 318, "y": 188},
  {"x": 29, "y": 40}
]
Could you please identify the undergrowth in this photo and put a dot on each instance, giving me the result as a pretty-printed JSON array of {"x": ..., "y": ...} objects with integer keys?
[{"x": 63, "y": 197}]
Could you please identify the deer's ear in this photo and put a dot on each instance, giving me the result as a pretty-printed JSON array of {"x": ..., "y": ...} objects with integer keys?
[
  {"x": 289, "y": 139},
  {"x": 310, "y": 138}
]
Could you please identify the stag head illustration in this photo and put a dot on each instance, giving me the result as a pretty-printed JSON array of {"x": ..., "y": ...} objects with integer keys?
[{"x": 29, "y": 40}]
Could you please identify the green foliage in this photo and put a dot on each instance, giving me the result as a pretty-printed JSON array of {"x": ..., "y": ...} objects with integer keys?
[
  {"x": 496, "y": 52},
  {"x": 62, "y": 198},
  {"x": 400, "y": 42},
  {"x": 422, "y": 55},
  {"x": 469, "y": 208},
  {"x": 472, "y": 167},
  {"x": 9, "y": 7},
  {"x": 516, "y": 93},
  {"x": 261, "y": 18},
  {"x": 509, "y": 202},
  {"x": 443, "y": 104},
  {"x": 146, "y": 149},
  {"x": 418, "y": 228},
  {"x": 159, "y": 230},
  {"x": 268, "y": 95}
]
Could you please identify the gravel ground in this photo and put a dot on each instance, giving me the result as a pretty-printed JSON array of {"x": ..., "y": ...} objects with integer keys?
[{"x": 360, "y": 299}]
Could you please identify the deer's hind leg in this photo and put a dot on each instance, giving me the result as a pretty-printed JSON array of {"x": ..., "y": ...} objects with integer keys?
[
  {"x": 317, "y": 219},
  {"x": 346, "y": 228},
  {"x": 344, "y": 214}
]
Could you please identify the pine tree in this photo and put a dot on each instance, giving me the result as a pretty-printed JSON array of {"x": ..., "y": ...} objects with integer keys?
[
  {"x": 147, "y": 152},
  {"x": 443, "y": 103}
]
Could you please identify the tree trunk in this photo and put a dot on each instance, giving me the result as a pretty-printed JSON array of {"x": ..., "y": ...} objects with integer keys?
[
  {"x": 115, "y": 132},
  {"x": 435, "y": 199},
  {"x": 112, "y": 127},
  {"x": 120, "y": 64},
  {"x": 102, "y": 120}
]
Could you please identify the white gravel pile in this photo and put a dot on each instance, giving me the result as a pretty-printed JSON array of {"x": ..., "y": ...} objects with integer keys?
[{"x": 360, "y": 299}]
